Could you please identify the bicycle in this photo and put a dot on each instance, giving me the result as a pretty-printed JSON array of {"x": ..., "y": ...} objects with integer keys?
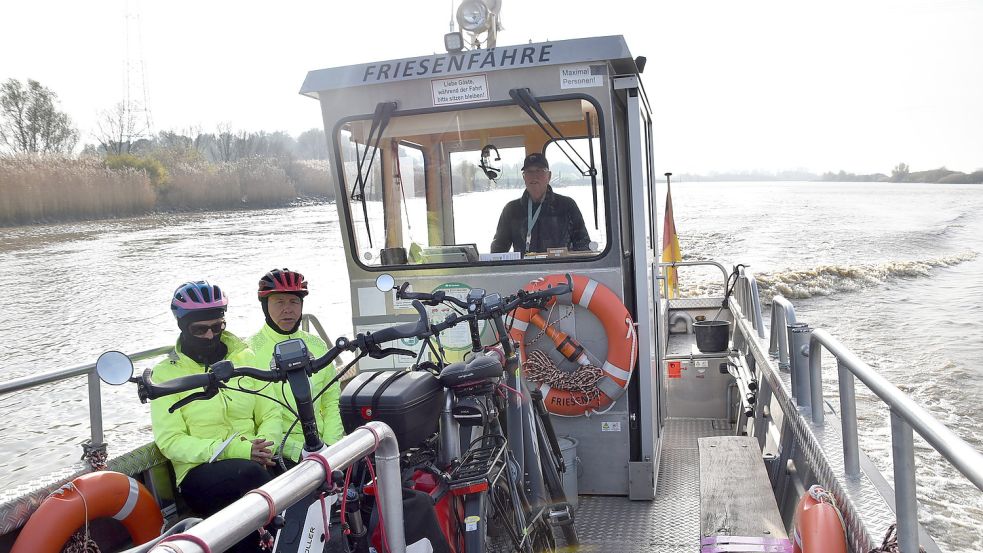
[{"x": 487, "y": 473}]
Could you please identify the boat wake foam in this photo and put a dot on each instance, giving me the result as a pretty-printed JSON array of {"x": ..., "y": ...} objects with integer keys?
[{"x": 825, "y": 280}]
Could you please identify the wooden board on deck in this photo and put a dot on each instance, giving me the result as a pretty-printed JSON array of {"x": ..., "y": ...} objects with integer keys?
[{"x": 735, "y": 494}]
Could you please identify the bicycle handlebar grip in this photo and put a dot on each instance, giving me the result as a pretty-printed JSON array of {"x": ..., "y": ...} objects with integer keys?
[
  {"x": 177, "y": 385},
  {"x": 258, "y": 374},
  {"x": 407, "y": 330}
]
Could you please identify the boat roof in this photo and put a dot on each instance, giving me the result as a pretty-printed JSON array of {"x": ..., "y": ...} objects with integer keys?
[{"x": 605, "y": 48}]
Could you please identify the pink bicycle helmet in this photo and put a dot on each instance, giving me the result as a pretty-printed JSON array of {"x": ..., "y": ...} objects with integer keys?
[
  {"x": 197, "y": 296},
  {"x": 282, "y": 281}
]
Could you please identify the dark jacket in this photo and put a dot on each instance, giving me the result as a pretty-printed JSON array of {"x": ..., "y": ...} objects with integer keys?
[{"x": 560, "y": 225}]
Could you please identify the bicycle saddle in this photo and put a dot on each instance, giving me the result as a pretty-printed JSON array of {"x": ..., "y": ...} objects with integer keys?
[{"x": 478, "y": 370}]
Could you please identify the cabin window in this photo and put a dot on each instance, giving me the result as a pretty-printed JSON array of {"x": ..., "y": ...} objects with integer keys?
[{"x": 430, "y": 188}]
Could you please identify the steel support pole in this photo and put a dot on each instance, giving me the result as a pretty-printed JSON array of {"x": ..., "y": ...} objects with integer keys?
[
  {"x": 816, "y": 381},
  {"x": 905, "y": 503},
  {"x": 95, "y": 409},
  {"x": 798, "y": 341},
  {"x": 848, "y": 420}
]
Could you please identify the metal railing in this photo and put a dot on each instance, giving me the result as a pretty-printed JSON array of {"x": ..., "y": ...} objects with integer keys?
[
  {"x": 666, "y": 265},
  {"x": 97, "y": 438},
  {"x": 233, "y": 523},
  {"x": 799, "y": 350}
]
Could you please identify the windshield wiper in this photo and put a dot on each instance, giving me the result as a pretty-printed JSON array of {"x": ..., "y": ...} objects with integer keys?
[
  {"x": 524, "y": 99},
  {"x": 380, "y": 119},
  {"x": 593, "y": 175}
]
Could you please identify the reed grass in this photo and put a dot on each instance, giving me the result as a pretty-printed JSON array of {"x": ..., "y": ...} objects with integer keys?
[
  {"x": 311, "y": 178},
  {"x": 252, "y": 182},
  {"x": 49, "y": 188}
]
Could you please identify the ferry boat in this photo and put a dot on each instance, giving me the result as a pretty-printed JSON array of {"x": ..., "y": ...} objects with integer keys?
[{"x": 695, "y": 446}]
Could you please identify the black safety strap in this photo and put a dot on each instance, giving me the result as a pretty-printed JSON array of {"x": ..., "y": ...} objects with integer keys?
[
  {"x": 363, "y": 385},
  {"x": 382, "y": 388}
]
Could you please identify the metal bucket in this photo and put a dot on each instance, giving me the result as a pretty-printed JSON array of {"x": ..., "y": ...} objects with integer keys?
[
  {"x": 568, "y": 449},
  {"x": 712, "y": 336}
]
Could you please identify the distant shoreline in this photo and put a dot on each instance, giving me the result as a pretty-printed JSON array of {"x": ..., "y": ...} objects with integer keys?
[{"x": 901, "y": 173}]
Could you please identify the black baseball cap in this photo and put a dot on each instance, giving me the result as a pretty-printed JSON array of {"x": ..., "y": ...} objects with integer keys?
[{"x": 535, "y": 160}]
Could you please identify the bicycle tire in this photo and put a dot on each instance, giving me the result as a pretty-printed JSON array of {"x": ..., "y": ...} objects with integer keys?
[{"x": 554, "y": 483}]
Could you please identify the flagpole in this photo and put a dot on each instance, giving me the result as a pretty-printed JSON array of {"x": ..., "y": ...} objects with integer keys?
[{"x": 670, "y": 245}]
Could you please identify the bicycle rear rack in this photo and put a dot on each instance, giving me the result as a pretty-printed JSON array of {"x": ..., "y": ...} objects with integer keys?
[{"x": 481, "y": 466}]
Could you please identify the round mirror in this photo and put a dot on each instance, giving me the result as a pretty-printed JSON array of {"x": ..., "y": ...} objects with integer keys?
[
  {"x": 114, "y": 368},
  {"x": 385, "y": 282}
]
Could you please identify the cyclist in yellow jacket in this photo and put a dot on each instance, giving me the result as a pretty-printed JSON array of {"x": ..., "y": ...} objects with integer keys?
[
  {"x": 281, "y": 294},
  {"x": 220, "y": 447}
]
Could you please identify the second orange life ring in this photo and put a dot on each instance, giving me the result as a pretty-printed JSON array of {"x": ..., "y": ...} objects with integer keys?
[
  {"x": 817, "y": 526},
  {"x": 88, "y": 497},
  {"x": 619, "y": 328}
]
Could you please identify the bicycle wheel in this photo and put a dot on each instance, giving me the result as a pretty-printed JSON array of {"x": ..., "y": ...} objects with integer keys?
[{"x": 554, "y": 484}]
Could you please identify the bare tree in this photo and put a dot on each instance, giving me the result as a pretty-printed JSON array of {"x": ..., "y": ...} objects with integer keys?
[
  {"x": 312, "y": 144},
  {"x": 30, "y": 121},
  {"x": 225, "y": 142},
  {"x": 117, "y": 128}
]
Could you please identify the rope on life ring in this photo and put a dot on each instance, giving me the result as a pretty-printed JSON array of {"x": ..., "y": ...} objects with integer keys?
[
  {"x": 88, "y": 497},
  {"x": 589, "y": 388}
]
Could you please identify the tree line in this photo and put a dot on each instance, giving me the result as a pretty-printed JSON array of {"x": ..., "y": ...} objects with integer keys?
[
  {"x": 903, "y": 173},
  {"x": 129, "y": 171},
  {"x": 31, "y": 122}
]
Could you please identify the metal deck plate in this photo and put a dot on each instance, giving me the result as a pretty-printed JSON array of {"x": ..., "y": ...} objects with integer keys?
[{"x": 670, "y": 523}]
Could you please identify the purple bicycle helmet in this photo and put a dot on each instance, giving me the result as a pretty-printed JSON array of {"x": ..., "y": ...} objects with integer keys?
[{"x": 197, "y": 296}]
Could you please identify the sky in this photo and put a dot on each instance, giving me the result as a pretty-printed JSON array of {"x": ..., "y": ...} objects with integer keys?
[{"x": 763, "y": 85}]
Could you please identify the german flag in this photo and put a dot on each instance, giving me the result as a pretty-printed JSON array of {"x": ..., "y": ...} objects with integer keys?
[{"x": 670, "y": 246}]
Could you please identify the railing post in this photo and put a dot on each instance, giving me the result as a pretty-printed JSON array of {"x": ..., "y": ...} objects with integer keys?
[
  {"x": 95, "y": 408},
  {"x": 848, "y": 420},
  {"x": 905, "y": 503},
  {"x": 798, "y": 343},
  {"x": 816, "y": 380}
]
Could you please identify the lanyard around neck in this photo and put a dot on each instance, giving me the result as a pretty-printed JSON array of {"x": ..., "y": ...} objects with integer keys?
[{"x": 531, "y": 219}]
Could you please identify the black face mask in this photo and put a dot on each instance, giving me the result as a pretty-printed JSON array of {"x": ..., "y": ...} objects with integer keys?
[{"x": 203, "y": 350}]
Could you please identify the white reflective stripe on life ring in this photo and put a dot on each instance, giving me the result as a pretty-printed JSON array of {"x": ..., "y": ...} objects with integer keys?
[
  {"x": 545, "y": 389},
  {"x": 131, "y": 501},
  {"x": 615, "y": 371},
  {"x": 588, "y": 293},
  {"x": 610, "y": 388},
  {"x": 519, "y": 324}
]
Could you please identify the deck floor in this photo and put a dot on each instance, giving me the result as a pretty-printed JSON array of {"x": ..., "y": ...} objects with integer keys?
[{"x": 670, "y": 523}]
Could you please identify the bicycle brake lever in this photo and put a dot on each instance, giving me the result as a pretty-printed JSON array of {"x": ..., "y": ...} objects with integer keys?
[
  {"x": 207, "y": 394},
  {"x": 386, "y": 352}
]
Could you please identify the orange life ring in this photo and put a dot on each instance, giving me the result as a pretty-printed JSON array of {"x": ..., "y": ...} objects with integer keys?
[
  {"x": 619, "y": 328},
  {"x": 817, "y": 527},
  {"x": 88, "y": 497}
]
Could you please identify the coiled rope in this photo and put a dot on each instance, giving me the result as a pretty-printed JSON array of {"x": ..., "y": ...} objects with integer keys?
[
  {"x": 890, "y": 544},
  {"x": 540, "y": 368},
  {"x": 79, "y": 542}
]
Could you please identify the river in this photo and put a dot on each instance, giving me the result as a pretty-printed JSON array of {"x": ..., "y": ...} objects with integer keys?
[{"x": 892, "y": 270}]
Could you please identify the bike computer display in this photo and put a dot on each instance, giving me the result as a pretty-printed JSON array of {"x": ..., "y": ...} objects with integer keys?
[{"x": 291, "y": 355}]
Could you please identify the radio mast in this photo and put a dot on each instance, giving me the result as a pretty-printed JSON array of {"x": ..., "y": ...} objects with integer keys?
[{"x": 136, "y": 98}]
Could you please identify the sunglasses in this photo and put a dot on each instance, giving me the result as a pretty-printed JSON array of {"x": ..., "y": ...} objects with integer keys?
[
  {"x": 199, "y": 330},
  {"x": 535, "y": 171}
]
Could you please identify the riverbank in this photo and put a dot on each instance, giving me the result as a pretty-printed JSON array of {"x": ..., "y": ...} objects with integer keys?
[{"x": 40, "y": 190}]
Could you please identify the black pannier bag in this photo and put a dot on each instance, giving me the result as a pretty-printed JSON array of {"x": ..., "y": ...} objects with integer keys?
[{"x": 408, "y": 401}]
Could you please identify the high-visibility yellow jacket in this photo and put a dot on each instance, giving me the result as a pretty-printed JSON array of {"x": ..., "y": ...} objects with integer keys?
[
  {"x": 198, "y": 432},
  {"x": 325, "y": 408}
]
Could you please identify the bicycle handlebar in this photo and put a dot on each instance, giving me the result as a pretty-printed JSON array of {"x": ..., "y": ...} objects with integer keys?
[
  {"x": 481, "y": 309},
  {"x": 223, "y": 371}
]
